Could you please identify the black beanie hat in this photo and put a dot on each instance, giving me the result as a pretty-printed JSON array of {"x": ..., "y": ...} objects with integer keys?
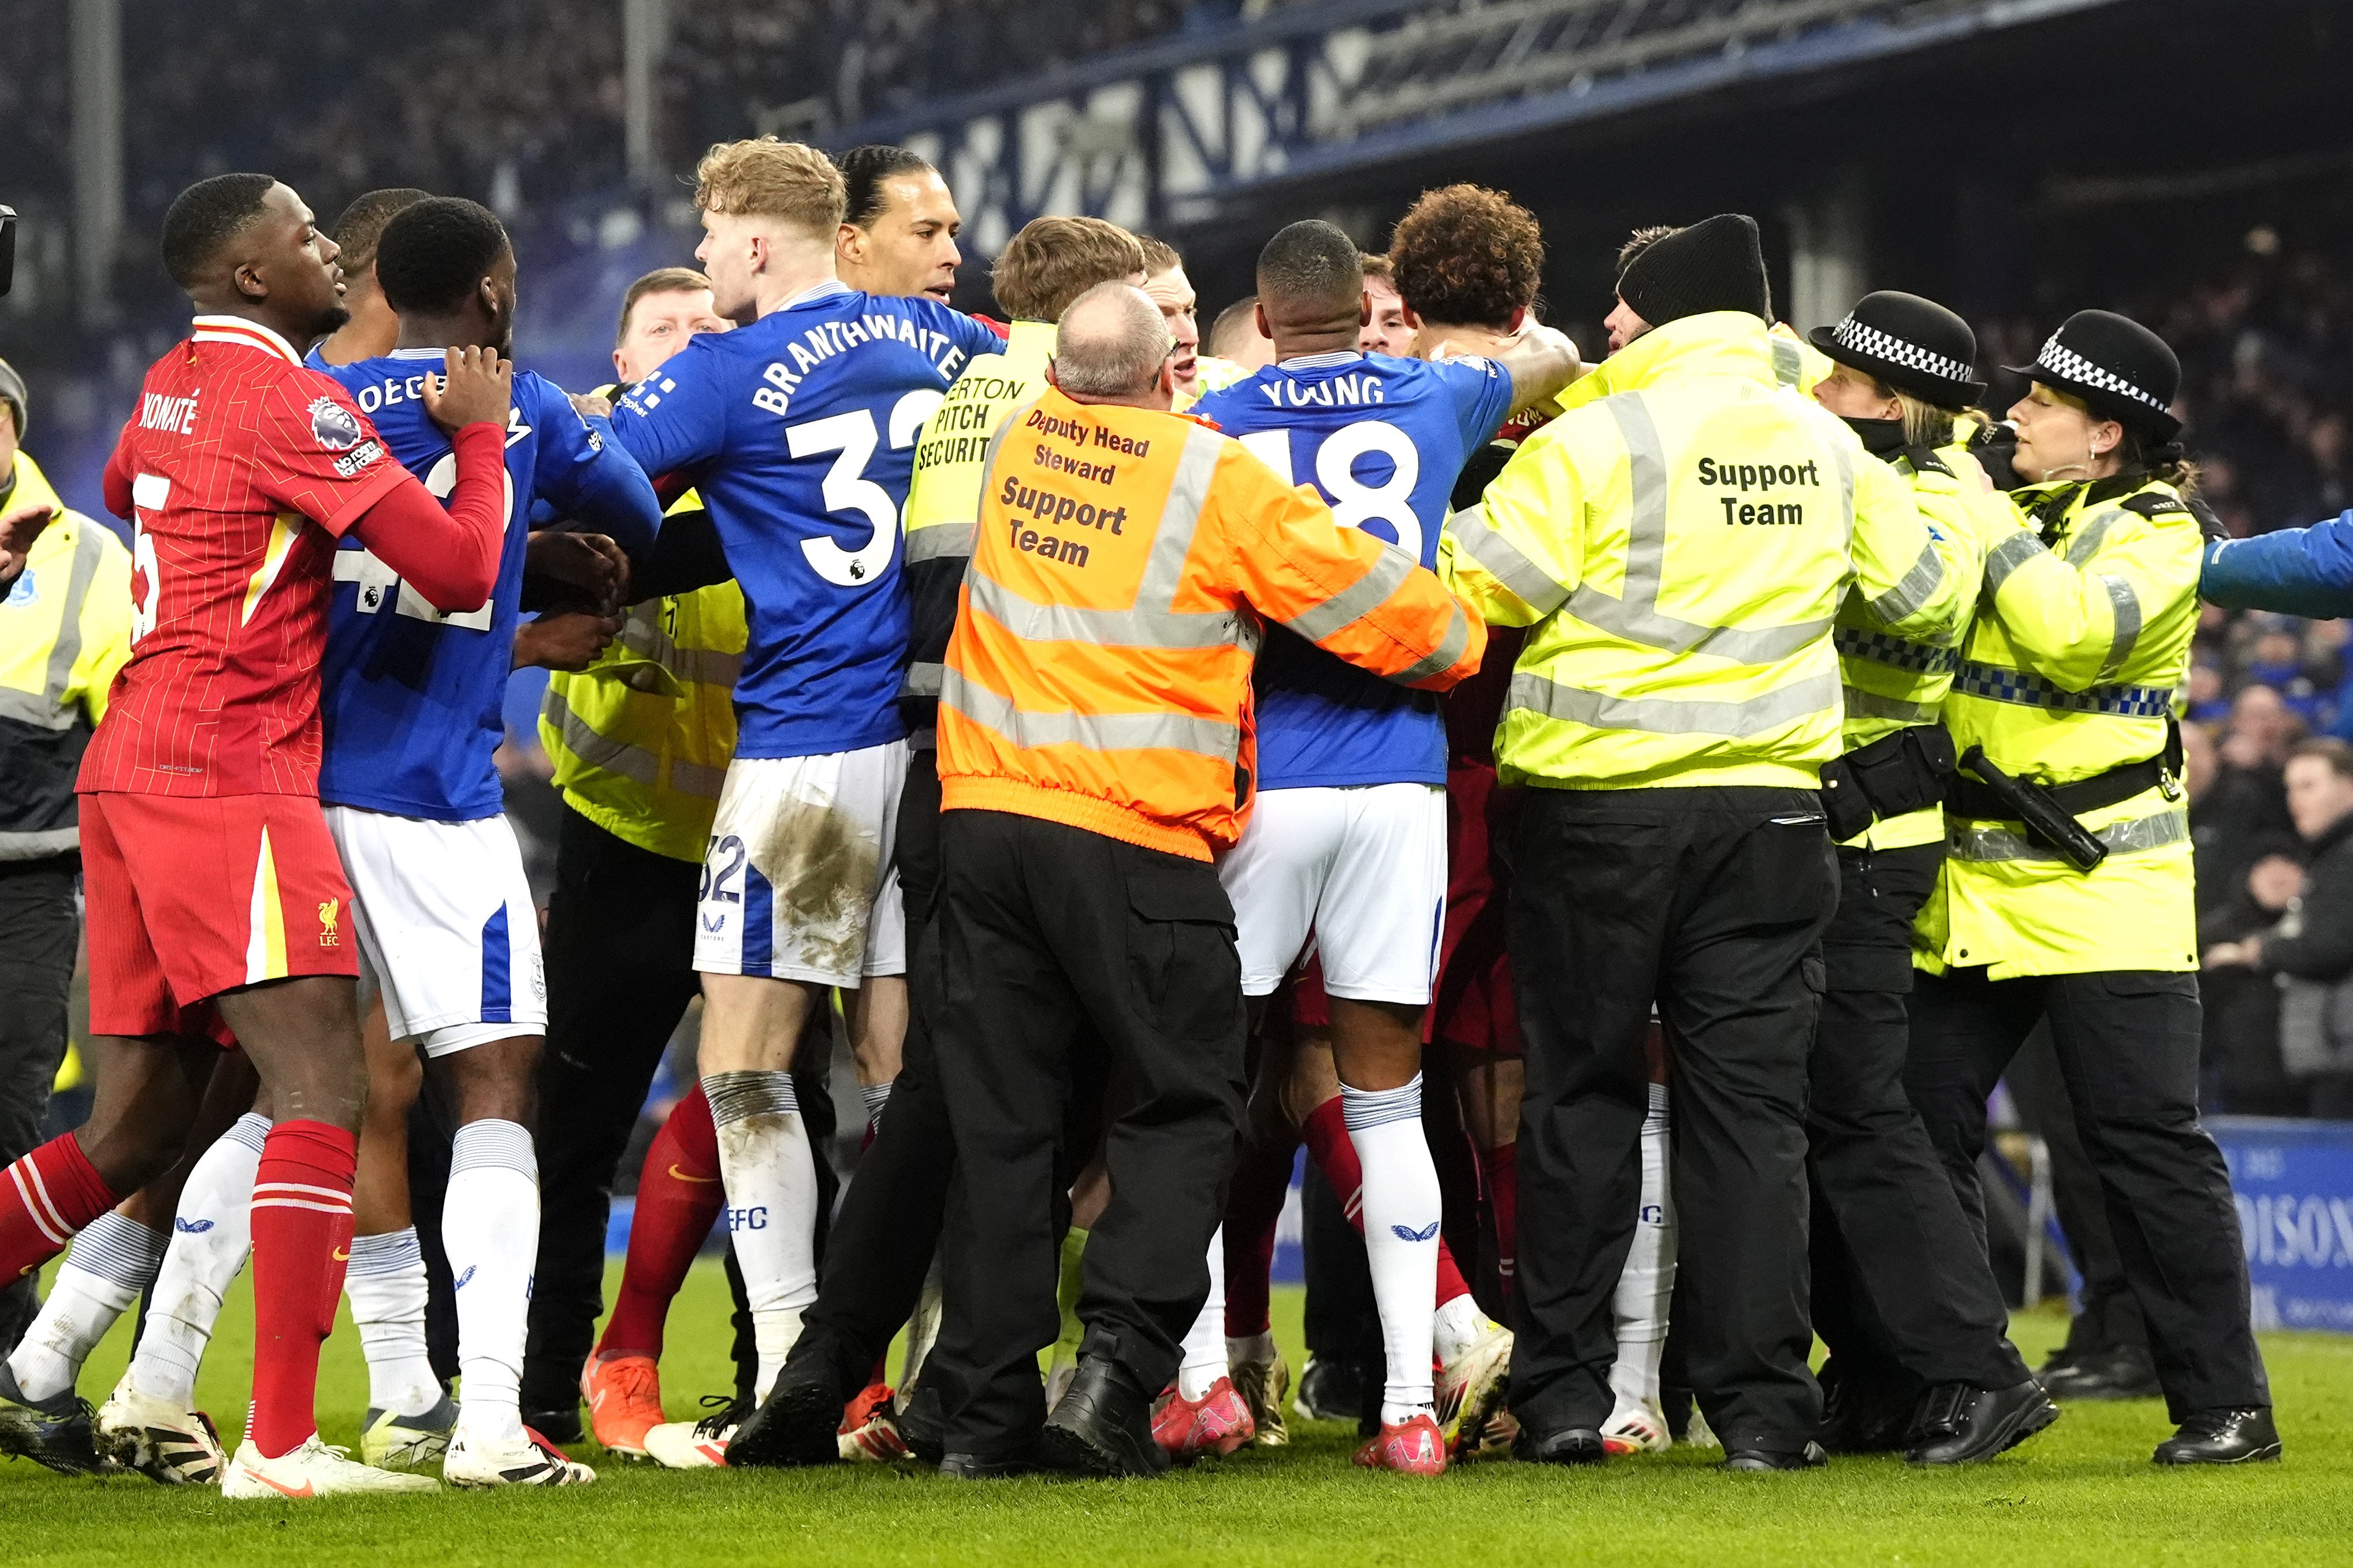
[
  {"x": 1912, "y": 344},
  {"x": 1715, "y": 265},
  {"x": 12, "y": 392},
  {"x": 2120, "y": 368}
]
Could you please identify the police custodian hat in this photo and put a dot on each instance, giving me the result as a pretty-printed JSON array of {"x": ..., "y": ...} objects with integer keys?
[
  {"x": 1915, "y": 345},
  {"x": 2120, "y": 368}
]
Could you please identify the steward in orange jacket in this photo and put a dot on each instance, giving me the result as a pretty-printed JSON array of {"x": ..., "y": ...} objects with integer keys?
[{"x": 1096, "y": 749}]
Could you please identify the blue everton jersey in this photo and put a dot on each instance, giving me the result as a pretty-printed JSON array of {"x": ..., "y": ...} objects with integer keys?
[
  {"x": 800, "y": 433},
  {"x": 409, "y": 698},
  {"x": 1381, "y": 439}
]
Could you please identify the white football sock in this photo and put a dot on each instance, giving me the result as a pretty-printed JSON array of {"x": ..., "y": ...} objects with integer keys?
[
  {"x": 113, "y": 1261},
  {"x": 489, "y": 1228},
  {"x": 769, "y": 1169},
  {"x": 1205, "y": 1341},
  {"x": 1458, "y": 1326},
  {"x": 1638, "y": 1310},
  {"x": 1401, "y": 1210},
  {"x": 211, "y": 1237},
  {"x": 923, "y": 1330},
  {"x": 386, "y": 1285}
]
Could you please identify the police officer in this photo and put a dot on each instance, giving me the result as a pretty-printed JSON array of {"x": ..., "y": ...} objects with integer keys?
[
  {"x": 65, "y": 629},
  {"x": 1902, "y": 1295},
  {"x": 1680, "y": 547},
  {"x": 2067, "y": 683}
]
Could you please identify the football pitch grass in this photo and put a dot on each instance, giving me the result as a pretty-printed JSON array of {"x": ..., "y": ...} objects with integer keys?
[{"x": 2081, "y": 1492}]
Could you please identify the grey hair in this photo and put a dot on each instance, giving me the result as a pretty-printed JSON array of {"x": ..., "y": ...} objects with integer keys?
[{"x": 1111, "y": 343}]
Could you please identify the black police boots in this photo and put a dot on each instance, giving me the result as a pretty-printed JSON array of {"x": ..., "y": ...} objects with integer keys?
[
  {"x": 1103, "y": 1426},
  {"x": 796, "y": 1424},
  {"x": 1959, "y": 1425},
  {"x": 1810, "y": 1457},
  {"x": 2221, "y": 1437},
  {"x": 1560, "y": 1446}
]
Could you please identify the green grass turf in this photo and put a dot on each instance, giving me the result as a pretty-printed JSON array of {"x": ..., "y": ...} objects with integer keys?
[{"x": 2081, "y": 1492}]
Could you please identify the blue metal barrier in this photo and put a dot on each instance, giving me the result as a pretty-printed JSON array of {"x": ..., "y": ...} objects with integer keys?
[{"x": 2293, "y": 1181}]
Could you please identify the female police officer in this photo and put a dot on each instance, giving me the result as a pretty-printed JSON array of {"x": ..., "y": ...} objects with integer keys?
[{"x": 2066, "y": 684}]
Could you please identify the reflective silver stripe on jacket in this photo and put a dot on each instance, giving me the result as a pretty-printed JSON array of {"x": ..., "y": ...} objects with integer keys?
[
  {"x": 1904, "y": 600},
  {"x": 1968, "y": 840},
  {"x": 642, "y": 635},
  {"x": 1669, "y": 716},
  {"x": 941, "y": 539},
  {"x": 1152, "y": 622},
  {"x": 2009, "y": 556},
  {"x": 1635, "y": 615},
  {"x": 1788, "y": 360},
  {"x": 2078, "y": 549},
  {"x": 39, "y": 845},
  {"x": 1504, "y": 562},
  {"x": 2127, "y": 605},
  {"x": 1360, "y": 598},
  {"x": 629, "y": 761},
  {"x": 923, "y": 679},
  {"x": 1862, "y": 704},
  {"x": 1450, "y": 651},
  {"x": 47, "y": 708},
  {"x": 1028, "y": 728}
]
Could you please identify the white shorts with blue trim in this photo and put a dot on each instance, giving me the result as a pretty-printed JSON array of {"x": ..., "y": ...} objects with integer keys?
[
  {"x": 1359, "y": 869},
  {"x": 449, "y": 933},
  {"x": 798, "y": 882}
]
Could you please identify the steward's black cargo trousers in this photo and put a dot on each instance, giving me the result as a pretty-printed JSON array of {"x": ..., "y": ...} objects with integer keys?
[
  {"x": 1056, "y": 944},
  {"x": 1902, "y": 1294},
  {"x": 1713, "y": 902}
]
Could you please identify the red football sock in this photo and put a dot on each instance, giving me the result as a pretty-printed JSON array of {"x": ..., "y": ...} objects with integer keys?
[
  {"x": 1253, "y": 1209},
  {"x": 302, "y": 1242},
  {"x": 1334, "y": 1154},
  {"x": 679, "y": 1197},
  {"x": 45, "y": 1197},
  {"x": 1499, "y": 1174}
]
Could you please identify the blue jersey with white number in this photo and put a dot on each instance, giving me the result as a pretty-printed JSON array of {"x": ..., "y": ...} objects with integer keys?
[
  {"x": 1381, "y": 439},
  {"x": 800, "y": 433},
  {"x": 409, "y": 698}
]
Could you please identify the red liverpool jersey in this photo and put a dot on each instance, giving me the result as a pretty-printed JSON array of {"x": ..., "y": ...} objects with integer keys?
[{"x": 240, "y": 470}]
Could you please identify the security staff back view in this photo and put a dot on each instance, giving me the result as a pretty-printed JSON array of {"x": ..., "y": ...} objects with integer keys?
[
  {"x": 1680, "y": 547},
  {"x": 2067, "y": 681},
  {"x": 1095, "y": 748}
]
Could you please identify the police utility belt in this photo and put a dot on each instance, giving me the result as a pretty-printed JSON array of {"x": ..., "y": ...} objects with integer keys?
[
  {"x": 2051, "y": 812},
  {"x": 1894, "y": 776}
]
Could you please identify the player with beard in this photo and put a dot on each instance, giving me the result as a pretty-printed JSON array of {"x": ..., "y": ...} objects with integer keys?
[{"x": 215, "y": 894}]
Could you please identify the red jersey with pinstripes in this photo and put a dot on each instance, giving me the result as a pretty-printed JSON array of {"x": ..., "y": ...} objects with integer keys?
[{"x": 239, "y": 469}]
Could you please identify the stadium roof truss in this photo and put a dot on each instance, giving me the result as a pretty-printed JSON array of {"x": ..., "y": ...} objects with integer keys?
[{"x": 1167, "y": 134}]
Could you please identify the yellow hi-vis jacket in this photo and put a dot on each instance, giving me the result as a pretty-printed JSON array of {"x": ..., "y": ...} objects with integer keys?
[
  {"x": 943, "y": 499},
  {"x": 2081, "y": 643},
  {"x": 64, "y": 630},
  {"x": 1100, "y": 673},
  {"x": 641, "y": 738},
  {"x": 1893, "y": 683},
  {"x": 1681, "y": 546}
]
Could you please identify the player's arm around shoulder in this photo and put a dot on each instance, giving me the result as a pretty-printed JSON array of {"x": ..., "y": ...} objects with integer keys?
[
  {"x": 1519, "y": 554},
  {"x": 586, "y": 472},
  {"x": 1347, "y": 591},
  {"x": 2294, "y": 570},
  {"x": 1915, "y": 579}
]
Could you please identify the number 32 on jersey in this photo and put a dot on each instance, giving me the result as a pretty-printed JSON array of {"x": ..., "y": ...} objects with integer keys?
[{"x": 852, "y": 437}]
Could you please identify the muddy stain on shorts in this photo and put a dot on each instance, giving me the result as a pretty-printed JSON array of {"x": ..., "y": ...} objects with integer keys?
[{"x": 823, "y": 871}]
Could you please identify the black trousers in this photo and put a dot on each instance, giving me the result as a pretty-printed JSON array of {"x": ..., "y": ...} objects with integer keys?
[
  {"x": 1902, "y": 1291},
  {"x": 1055, "y": 943},
  {"x": 2127, "y": 1043},
  {"x": 2107, "y": 1315},
  {"x": 39, "y": 927},
  {"x": 620, "y": 971},
  {"x": 1713, "y": 902}
]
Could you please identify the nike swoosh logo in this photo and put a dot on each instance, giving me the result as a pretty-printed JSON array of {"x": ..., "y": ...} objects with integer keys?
[
  {"x": 677, "y": 1175},
  {"x": 307, "y": 1489},
  {"x": 342, "y": 1255}
]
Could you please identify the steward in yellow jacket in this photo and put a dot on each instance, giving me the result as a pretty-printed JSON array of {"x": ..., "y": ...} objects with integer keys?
[
  {"x": 1681, "y": 546},
  {"x": 2067, "y": 685},
  {"x": 1095, "y": 748}
]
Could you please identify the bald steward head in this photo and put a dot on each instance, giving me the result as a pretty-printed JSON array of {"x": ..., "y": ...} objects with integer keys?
[{"x": 1112, "y": 347}]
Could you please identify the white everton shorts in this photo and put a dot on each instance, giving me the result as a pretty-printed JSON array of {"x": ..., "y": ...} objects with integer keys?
[
  {"x": 1360, "y": 867},
  {"x": 449, "y": 933},
  {"x": 798, "y": 883}
]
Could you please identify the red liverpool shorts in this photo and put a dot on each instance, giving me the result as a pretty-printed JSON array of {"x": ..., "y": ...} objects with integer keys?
[
  {"x": 191, "y": 897},
  {"x": 1472, "y": 1006}
]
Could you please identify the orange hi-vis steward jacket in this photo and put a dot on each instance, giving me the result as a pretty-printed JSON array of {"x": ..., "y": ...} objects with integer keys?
[{"x": 1099, "y": 671}]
